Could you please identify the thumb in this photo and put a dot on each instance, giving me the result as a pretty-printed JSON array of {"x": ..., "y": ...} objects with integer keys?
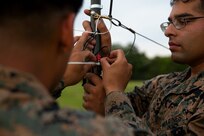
[{"x": 104, "y": 63}]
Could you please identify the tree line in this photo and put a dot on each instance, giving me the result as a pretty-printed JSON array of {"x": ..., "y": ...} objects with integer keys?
[{"x": 146, "y": 68}]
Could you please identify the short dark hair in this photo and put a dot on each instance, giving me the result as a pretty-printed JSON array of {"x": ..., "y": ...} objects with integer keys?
[
  {"x": 27, "y": 7},
  {"x": 35, "y": 19},
  {"x": 172, "y": 2}
]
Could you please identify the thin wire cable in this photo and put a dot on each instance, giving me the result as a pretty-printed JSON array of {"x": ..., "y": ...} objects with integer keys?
[
  {"x": 117, "y": 23},
  {"x": 133, "y": 43},
  {"x": 111, "y": 7},
  {"x": 151, "y": 40},
  {"x": 88, "y": 40}
]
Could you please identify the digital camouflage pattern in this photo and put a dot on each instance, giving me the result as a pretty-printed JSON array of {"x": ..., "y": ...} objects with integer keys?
[
  {"x": 26, "y": 108},
  {"x": 171, "y": 104}
]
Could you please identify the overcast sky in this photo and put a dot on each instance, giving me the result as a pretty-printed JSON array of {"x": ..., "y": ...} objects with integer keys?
[{"x": 143, "y": 16}]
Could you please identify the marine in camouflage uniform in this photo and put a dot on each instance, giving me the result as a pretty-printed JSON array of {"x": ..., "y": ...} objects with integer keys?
[
  {"x": 170, "y": 104},
  {"x": 27, "y": 109}
]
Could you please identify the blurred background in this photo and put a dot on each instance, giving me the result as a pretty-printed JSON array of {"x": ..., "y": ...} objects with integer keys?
[{"x": 148, "y": 59}]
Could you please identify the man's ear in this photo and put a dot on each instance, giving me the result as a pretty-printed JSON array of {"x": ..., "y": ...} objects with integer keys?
[{"x": 67, "y": 33}]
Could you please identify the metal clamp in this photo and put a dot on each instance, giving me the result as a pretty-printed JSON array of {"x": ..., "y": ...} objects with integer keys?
[{"x": 96, "y": 6}]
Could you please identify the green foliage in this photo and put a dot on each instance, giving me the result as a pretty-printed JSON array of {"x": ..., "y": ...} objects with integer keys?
[
  {"x": 162, "y": 65},
  {"x": 72, "y": 96},
  {"x": 146, "y": 68}
]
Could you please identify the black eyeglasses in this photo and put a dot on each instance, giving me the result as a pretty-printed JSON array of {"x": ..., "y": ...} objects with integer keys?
[{"x": 178, "y": 23}]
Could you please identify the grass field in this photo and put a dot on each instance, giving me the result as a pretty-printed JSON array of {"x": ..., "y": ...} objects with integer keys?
[{"x": 72, "y": 96}]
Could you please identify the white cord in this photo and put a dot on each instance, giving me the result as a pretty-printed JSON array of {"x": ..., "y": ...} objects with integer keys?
[{"x": 82, "y": 63}]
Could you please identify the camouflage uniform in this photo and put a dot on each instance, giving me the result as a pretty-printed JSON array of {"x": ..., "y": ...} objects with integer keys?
[
  {"x": 169, "y": 104},
  {"x": 26, "y": 108}
]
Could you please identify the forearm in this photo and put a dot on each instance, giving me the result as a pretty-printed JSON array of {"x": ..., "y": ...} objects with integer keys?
[{"x": 139, "y": 101}]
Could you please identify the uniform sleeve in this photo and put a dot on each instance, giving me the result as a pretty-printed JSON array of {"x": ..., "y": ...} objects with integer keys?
[{"x": 118, "y": 105}]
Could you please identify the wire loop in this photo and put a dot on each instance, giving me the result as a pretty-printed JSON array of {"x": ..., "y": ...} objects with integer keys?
[{"x": 117, "y": 23}]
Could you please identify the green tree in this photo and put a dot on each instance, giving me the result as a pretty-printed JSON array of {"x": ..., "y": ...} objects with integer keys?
[
  {"x": 146, "y": 68},
  {"x": 162, "y": 65}
]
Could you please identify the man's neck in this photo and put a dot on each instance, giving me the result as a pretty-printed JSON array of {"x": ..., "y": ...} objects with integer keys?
[
  {"x": 25, "y": 62},
  {"x": 197, "y": 69}
]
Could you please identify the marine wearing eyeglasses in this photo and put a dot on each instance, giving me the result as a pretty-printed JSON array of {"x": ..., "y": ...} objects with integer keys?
[
  {"x": 179, "y": 22},
  {"x": 169, "y": 104}
]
